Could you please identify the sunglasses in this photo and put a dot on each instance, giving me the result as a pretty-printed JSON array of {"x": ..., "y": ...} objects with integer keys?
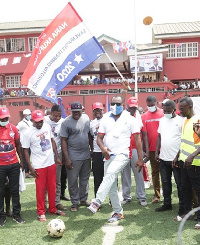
[{"x": 118, "y": 104}]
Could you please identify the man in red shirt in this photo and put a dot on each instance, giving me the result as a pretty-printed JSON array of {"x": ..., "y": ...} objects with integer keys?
[
  {"x": 150, "y": 121},
  {"x": 9, "y": 165}
]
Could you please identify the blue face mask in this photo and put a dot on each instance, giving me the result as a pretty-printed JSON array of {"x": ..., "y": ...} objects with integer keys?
[
  {"x": 28, "y": 117},
  {"x": 116, "y": 109}
]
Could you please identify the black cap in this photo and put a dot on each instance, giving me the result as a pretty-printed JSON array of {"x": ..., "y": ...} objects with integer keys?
[{"x": 76, "y": 106}]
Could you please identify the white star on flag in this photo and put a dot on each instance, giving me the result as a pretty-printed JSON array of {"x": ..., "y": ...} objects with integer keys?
[
  {"x": 16, "y": 60},
  {"x": 78, "y": 58}
]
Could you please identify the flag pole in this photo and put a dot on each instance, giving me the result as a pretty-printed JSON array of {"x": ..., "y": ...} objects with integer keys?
[
  {"x": 116, "y": 69},
  {"x": 136, "y": 77}
]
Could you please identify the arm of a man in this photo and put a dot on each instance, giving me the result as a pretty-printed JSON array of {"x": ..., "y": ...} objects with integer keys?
[
  {"x": 145, "y": 144},
  {"x": 33, "y": 172},
  {"x": 19, "y": 152},
  {"x": 66, "y": 159},
  {"x": 58, "y": 161},
  {"x": 105, "y": 150},
  {"x": 158, "y": 145},
  {"x": 138, "y": 144}
]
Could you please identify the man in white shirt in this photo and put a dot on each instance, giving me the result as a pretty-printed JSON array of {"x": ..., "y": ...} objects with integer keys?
[
  {"x": 167, "y": 147},
  {"x": 54, "y": 120},
  {"x": 113, "y": 139},
  {"x": 22, "y": 126},
  {"x": 40, "y": 140}
]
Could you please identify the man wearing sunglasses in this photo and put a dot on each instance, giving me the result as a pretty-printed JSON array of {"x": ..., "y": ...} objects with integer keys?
[
  {"x": 113, "y": 139},
  {"x": 189, "y": 155}
]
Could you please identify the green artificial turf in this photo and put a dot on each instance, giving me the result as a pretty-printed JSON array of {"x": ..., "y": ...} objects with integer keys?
[{"x": 141, "y": 225}]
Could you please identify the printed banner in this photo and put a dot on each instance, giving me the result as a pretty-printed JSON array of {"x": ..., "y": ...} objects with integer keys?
[
  {"x": 63, "y": 49},
  {"x": 147, "y": 63}
]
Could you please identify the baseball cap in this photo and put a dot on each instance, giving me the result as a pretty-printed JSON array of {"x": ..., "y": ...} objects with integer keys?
[
  {"x": 97, "y": 105},
  {"x": 76, "y": 106},
  {"x": 164, "y": 101},
  {"x": 132, "y": 102},
  {"x": 26, "y": 112},
  {"x": 37, "y": 115},
  {"x": 4, "y": 112}
]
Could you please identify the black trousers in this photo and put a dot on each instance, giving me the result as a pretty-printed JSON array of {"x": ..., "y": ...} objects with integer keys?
[
  {"x": 166, "y": 174},
  {"x": 97, "y": 169},
  {"x": 12, "y": 172},
  {"x": 190, "y": 178},
  {"x": 63, "y": 180}
]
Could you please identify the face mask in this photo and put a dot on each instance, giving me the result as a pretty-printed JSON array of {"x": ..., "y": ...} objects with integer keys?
[
  {"x": 151, "y": 108},
  {"x": 116, "y": 109},
  {"x": 169, "y": 116},
  {"x": 28, "y": 117},
  {"x": 3, "y": 124}
]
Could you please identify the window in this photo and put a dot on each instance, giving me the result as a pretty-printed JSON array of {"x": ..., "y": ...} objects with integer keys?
[
  {"x": 13, "y": 81},
  {"x": 181, "y": 50},
  {"x": 2, "y": 46},
  {"x": 12, "y": 45},
  {"x": 31, "y": 43}
]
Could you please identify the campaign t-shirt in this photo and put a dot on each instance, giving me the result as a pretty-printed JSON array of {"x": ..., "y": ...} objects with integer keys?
[
  {"x": 139, "y": 119},
  {"x": 94, "y": 128},
  {"x": 55, "y": 129},
  {"x": 8, "y": 135},
  {"x": 170, "y": 131},
  {"x": 151, "y": 122},
  {"x": 76, "y": 132},
  {"x": 39, "y": 141}
]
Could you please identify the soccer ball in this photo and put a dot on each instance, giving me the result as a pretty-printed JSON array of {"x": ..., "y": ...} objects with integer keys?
[{"x": 56, "y": 228}]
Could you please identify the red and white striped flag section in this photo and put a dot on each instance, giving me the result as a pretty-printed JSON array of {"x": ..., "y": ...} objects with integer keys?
[{"x": 62, "y": 50}]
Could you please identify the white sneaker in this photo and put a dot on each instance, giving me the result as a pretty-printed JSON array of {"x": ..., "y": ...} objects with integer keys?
[{"x": 94, "y": 207}]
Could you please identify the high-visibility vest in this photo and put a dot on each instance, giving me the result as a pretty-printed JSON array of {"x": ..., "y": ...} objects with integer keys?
[{"x": 187, "y": 142}]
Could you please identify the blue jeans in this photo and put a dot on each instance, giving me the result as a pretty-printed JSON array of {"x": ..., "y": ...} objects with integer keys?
[
  {"x": 166, "y": 174},
  {"x": 12, "y": 171}
]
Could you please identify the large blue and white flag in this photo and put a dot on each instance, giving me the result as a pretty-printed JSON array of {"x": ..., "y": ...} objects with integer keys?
[{"x": 63, "y": 49}]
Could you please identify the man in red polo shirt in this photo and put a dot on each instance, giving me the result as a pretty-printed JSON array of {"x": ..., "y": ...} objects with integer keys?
[
  {"x": 9, "y": 165},
  {"x": 151, "y": 120}
]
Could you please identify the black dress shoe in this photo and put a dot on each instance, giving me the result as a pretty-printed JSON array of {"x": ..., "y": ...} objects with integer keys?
[
  {"x": 164, "y": 207},
  {"x": 65, "y": 198}
]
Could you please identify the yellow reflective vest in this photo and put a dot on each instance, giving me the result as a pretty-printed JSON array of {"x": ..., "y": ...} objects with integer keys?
[{"x": 187, "y": 141}]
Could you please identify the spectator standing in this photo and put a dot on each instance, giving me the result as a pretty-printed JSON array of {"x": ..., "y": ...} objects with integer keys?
[
  {"x": 75, "y": 141},
  {"x": 150, "y": 121},
  {"x": 167, "y": 147},
  {"x": 140, "y": 194},
  {"x": 40, "y": 140},
  {"x": 9, "y": 165},
  {"x": 54, "y": 120},
  {"x": 97, "y": 157},
  {"x": 189, "y": 155},
  {"x": 22, "y": 126}
]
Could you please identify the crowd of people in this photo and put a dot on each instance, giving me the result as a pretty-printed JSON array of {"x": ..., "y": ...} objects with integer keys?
[
  {"x": 116, "y": 142},
  {"x": 16, "y": 93}
]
